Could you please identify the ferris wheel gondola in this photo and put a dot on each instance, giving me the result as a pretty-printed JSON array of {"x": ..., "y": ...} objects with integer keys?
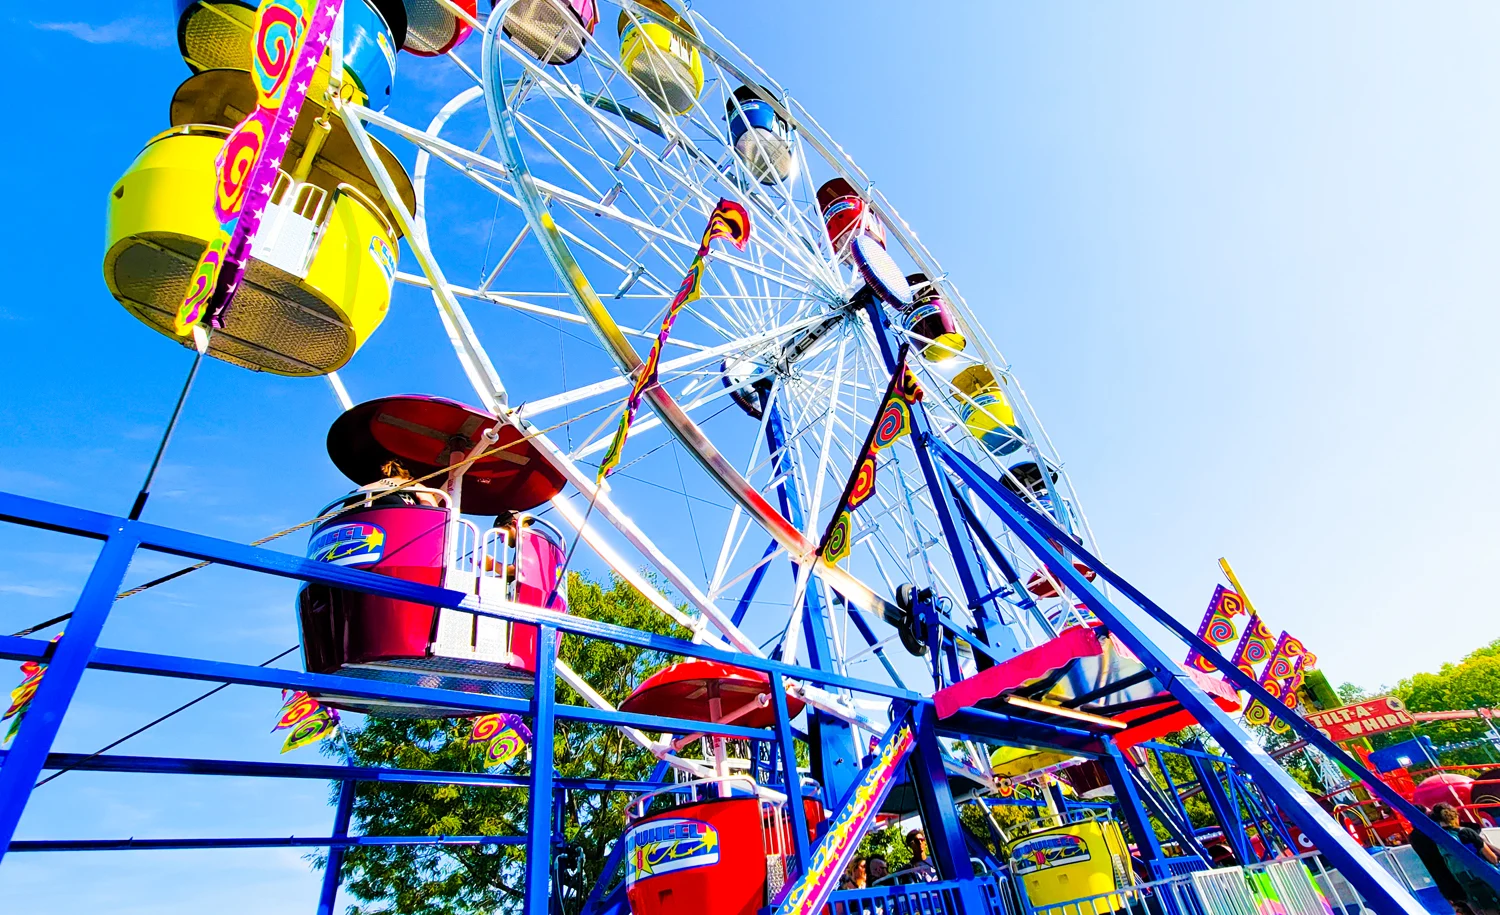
[
  {"x": 419, "y": 533},
  {"x": 320, "y": 280}
]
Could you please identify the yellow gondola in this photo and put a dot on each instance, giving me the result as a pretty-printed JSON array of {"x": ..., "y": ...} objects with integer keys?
[
  {"x": 1065, "y": 861},
  {"x": 319, "y": 281},
  {"x": 985, "y": 411},
  {"x": 217, "y": 35},
  {"x": 664, "y": 67}
]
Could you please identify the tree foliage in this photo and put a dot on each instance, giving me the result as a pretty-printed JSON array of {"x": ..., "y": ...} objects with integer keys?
[
  {"x": 468, "y": 880},
  {"x": 1473, "y": 682}
]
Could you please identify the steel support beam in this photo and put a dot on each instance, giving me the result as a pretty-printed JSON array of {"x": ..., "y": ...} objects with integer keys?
[
  {"x": 787, "y": 745},
  {"x": 59, "y": 684},
  {"x": 945, "y": 834},
  {"x": 333, "y": 871},
  {"x": 1034, "y": 530},
  {"x": 967, "y": 563},
  {"x": 1225, "y": 809},
  {"x": 1130, "y": 804},
  {"x": 539, "y": 795},
  {"x": 834, "y": 756}
]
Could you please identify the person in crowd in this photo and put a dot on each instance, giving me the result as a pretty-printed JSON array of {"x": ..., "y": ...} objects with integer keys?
[
  {"x": 1447, "y": 817},
  {"x": 1480, "y": 897},
  {"x": 396, "y": 488},
  {"x": 855, "y": 876},
  {"x": 920, "y": 870},
  {"x": 1437, "y": 867},
  {"x": 876, "y": 870}
]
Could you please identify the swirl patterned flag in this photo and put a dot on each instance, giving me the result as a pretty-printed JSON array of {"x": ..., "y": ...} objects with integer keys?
[
  {"x": 1255, "y": 646},
  {"x": 1284, "y": 659},
  {"x": 1282, "y": 676},
  {"x": 506, "y": 735},
  {"x": 289, "y": 39},
  {"x": 305, "y": 719},
  {"x": 892, "y": 422},
  {"x": 21, "y": 696},
  {"x": 1218, "y": 627},
  {"x": 730, "y": 221},
  {"x": 837, "y": 847}
]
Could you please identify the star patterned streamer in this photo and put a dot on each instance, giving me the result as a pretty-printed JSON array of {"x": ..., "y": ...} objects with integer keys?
[
  {"x": 892, "y": 422},
  {"x": 1218, "y": 626},
  {"x": 289, "y": 39},
  {"x": 506, "y": 735},
  {"x": 729, "y": 220},
  {"x": 305, "y": 719}
]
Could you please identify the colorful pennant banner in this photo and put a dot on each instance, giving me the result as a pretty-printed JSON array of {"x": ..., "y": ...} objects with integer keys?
[
  {"x": 729, "y": 220},
  {"x": 289, "y": 39},
  {"x": 21, "y": 696},
  {"x": 306, "y": 720},
  {"x": 892, "y": 422},
  {"x": 1254, "y": 647},
  {"x": 1281, "y": 677},
  {"x": 506, "y": 735},
  {"x": 1218, "y": 626}
]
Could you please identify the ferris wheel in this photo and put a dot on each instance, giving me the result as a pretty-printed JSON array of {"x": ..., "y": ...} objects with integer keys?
[
  {"x": 868, "y": 493},
  {"x": 609, "y": 133}
]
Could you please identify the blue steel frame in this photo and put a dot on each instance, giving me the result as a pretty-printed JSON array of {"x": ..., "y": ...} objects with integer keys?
[
  {"x": 835, "y": 756},
  {"x": 78, "y": 651},
  {"x": 1034, "y": 530},
  {"x": 68, "y": 659},
  {"x": 971, "y": 572}
]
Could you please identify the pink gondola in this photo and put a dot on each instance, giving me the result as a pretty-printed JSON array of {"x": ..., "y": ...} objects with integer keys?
[{"x": 419, "y": 534}]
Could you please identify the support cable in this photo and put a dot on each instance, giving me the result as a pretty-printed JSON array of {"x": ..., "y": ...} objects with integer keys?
[{"x": 149, "y": 725}]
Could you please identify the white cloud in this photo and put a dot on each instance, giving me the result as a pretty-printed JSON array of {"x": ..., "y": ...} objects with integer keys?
[
  {"x": 37, "y": 590},
  {"x": 150, "y": 33}
]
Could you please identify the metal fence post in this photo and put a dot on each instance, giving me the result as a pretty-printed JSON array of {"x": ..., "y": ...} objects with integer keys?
[
  {"x": 69, "y": 659},
  {"x": 333, "y": 871},
  {"x": 794, "y": 809},
  {"x": 539, "y": 796}
]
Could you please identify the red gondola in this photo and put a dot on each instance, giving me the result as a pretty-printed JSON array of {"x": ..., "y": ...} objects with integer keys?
[
  {"x": 1042, "y": 586},
  {"x": 708, "y": 691},
  {"x": 847, "y": 214},
  {"x": 726, "y": 855},
  {"x": 418, "y": 533}
]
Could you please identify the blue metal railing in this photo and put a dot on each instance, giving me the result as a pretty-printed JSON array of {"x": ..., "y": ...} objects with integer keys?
[
  {"x": 79, "y": 651},
  {"x": 945, "y": 898}
]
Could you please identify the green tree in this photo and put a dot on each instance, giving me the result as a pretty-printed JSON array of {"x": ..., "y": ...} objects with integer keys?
[
  {"x": 465, "y": 880},
  {"x": 1473, "y": 682},
  {"x": 1350, "y": 693}
]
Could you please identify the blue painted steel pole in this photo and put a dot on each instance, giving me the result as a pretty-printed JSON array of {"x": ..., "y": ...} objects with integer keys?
[
  {"x": 945, "y": 834},
  {"x": 1118, "y": 770},
  {"x": 788, "y": 746},
  {"x": 59, "y": 684},
  {"x": 333, "y": 872},
  {"x": 970, "y": 570},
  {"x": 1179, "y": 828},
  {"x": 1224, "y": 808},
  {"x": 1368, "y": 877},
  {"x": 835, "y": 758},
  {"x": 539, "y": 797}
]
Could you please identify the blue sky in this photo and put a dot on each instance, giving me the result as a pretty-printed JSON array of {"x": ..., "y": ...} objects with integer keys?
[{"x": 1241, "y": 258}]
